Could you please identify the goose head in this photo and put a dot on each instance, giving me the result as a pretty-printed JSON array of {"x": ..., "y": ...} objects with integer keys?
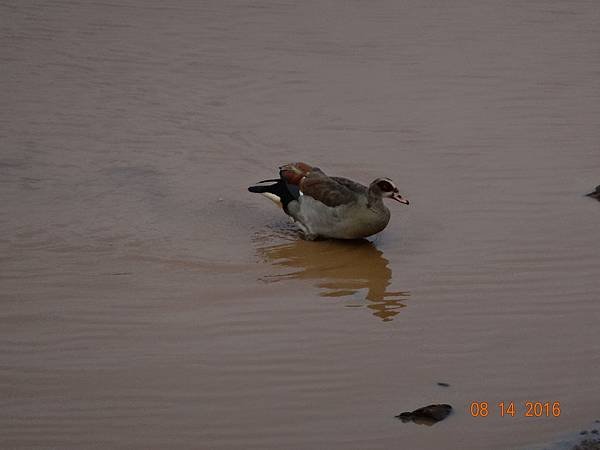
[{"x": 386, "y": 188}]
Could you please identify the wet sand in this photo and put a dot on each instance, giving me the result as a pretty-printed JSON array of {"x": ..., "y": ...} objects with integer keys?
[{"x": 149, "y": 301}]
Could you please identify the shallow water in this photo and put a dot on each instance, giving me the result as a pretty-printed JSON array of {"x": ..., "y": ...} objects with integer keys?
[{"x": 149, "y": 301}]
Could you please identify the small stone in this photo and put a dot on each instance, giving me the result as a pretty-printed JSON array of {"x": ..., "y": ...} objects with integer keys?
[
  {"x": 594, "y": 431},
  {"x": 440, "y": 383},
  {"x": 583, "y": 432}
]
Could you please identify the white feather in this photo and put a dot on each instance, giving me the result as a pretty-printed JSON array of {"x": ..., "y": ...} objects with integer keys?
[{"x": 274, "y": 198}]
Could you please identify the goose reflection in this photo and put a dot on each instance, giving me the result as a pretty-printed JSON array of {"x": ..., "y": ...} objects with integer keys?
[{"x": 339, "y": 269}]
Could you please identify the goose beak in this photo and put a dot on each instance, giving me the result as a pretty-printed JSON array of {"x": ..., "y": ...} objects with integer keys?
[{"x": 400, "y": 199}]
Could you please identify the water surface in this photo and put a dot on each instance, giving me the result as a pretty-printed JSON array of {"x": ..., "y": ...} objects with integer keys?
[{"x": 149, "y": 301}]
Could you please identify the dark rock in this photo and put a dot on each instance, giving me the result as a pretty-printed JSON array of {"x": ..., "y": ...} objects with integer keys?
[
  {"x": 583, "y": 432},
  {"x": 427, "y": 415},
  {"x": 594, "y": 431},
  {"x": 595, "y": 194},
  {"x": 443, "y": 384}
]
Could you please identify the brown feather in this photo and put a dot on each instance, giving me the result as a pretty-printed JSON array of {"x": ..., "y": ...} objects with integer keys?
[
  {"x": 326, "y": 190},
  {"x": 293, "y": 173}
]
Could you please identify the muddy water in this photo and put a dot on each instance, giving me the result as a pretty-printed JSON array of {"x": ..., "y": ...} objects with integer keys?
[{"x": 148, "y": 301}]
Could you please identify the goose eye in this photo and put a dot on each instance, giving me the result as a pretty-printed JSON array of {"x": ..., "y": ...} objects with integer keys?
[{"x": 385, "y": 186}]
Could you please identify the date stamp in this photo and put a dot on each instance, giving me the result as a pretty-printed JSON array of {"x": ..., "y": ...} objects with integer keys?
[{"x": 527, "y": 409}]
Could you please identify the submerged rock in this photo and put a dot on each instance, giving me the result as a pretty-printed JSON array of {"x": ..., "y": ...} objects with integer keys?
[
  {"x": 586, "y": 439},
  {"x": 588, "y": 444},
  {"x": 427, "y": 415}
]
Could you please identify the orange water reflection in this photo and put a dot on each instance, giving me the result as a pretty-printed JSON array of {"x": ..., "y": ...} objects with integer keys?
[{"x": 339, "y": 269}]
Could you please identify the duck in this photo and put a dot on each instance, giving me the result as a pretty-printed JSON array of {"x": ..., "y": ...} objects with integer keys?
[
  {"x": 595, "y": 194},
  {"x": 330, "y": 207}
]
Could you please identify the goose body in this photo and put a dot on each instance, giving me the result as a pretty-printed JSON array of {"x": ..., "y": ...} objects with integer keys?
[{"x": 330, "y": 207}]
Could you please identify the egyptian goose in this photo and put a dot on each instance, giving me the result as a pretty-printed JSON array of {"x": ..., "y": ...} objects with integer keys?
[{"x": 330, "y": 207}]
